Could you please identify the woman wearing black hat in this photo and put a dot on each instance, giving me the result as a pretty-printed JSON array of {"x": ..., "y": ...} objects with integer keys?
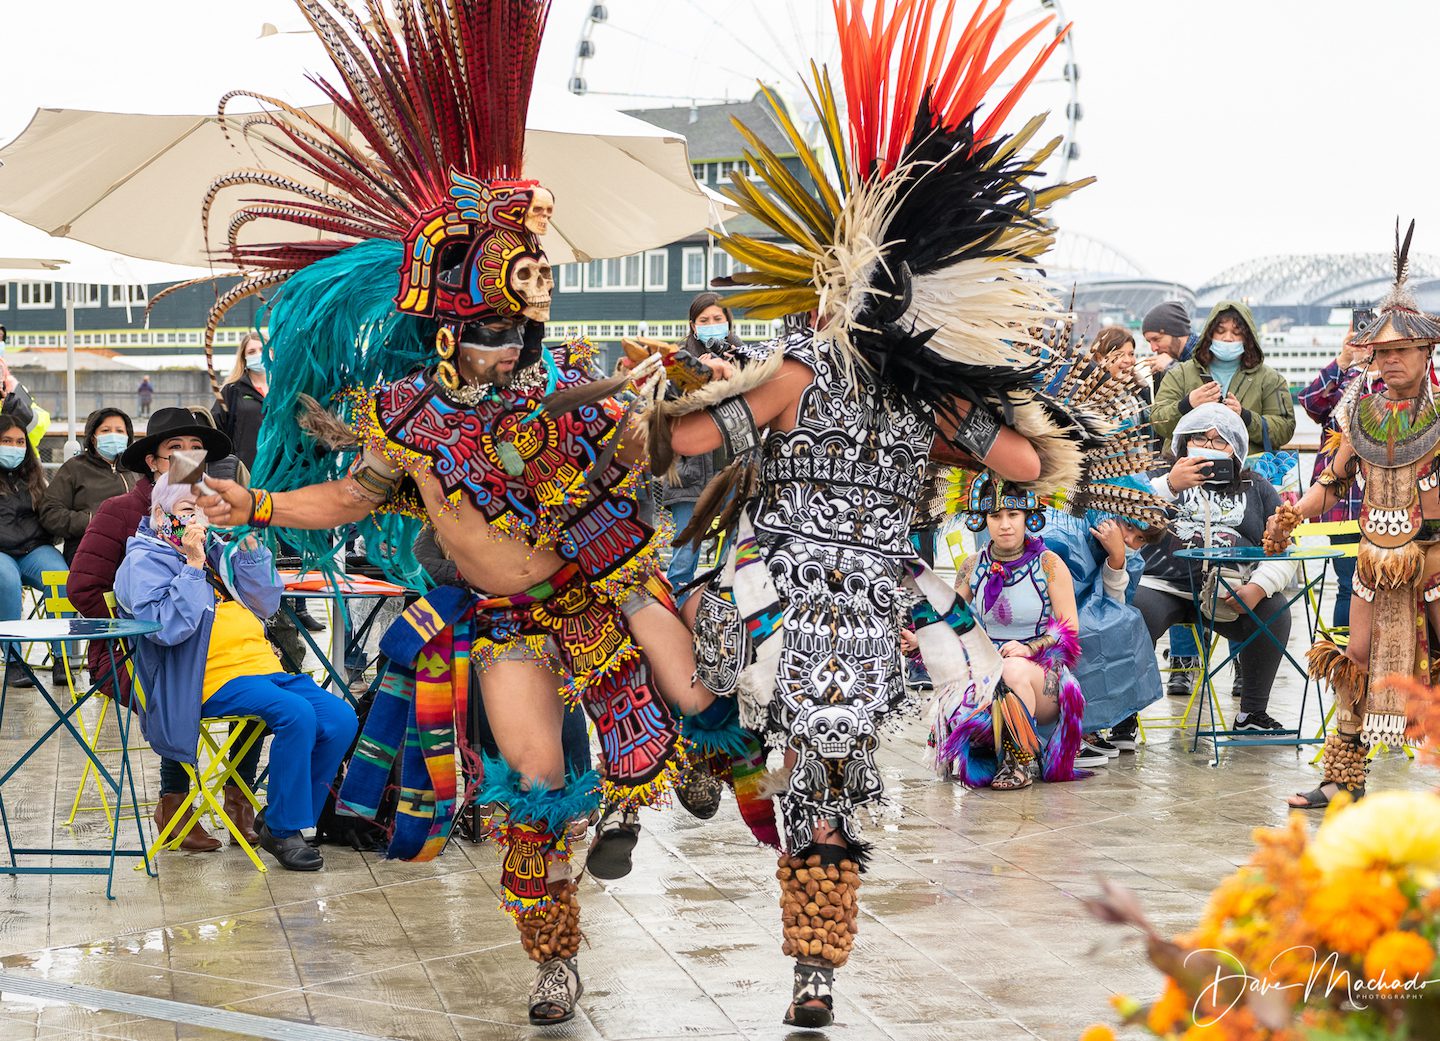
[{"x": 84, "y": 482}]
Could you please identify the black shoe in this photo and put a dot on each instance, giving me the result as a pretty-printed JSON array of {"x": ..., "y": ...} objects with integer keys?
[
  {"x": 614, "y": 842},
  {"x": 917, "y": 677},
  {"x": 1098, "y": 743},
  {"x": 309, "y": 621},
  {"x": 58, "y": 676},
  {"x": 699, "y": 792},
  {"x": 293, "y": 852},
  {"x": 15, "y": 676},
  {"x": 1126, "y": 734},
  {"x": 1257, "y": 721},
  {"x": 1182, "y": 677}
]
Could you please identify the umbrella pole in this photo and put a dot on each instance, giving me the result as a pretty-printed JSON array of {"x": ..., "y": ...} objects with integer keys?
[{"x": 72, "y": 446}]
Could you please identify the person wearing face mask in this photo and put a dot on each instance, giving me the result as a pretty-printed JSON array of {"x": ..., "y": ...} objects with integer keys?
[
  {"x": 1228, "y": 367},
  {"x": 211, "y": 658},
  {"x": 27, "y": 547},
  {"x": 242, "y": 399},
  {"x": 84, "y": 482},
  {"x": 710, "y": 336},
  {"x": 1209, "y": 513}
]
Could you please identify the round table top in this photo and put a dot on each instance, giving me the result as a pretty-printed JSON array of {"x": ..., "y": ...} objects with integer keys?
[
  {"x": 63, "y": 630},
  {"x": 1255, "y": 554}
]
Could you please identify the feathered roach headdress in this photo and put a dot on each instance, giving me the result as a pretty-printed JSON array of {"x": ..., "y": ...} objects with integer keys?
[
  {"x": 415, "y": 225},
  {"x": 1400, "y": 321},
  {"x": 438, "y": 100},
  {"x": 919, "y": 248}
]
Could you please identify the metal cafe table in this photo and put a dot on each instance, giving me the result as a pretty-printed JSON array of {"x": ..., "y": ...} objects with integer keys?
[
  {"x": 121, "y": 784},
  {"x": 1217, "y": 557},
  {"x": 351, "y": 588}
]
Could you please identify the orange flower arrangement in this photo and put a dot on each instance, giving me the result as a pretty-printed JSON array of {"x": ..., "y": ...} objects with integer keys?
[{"x": 1399, "y": 956}]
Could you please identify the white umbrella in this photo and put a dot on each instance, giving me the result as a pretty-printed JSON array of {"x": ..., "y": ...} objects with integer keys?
[
  {"x": 134, "y": 183},
  {"x": 69, "y": 264}
]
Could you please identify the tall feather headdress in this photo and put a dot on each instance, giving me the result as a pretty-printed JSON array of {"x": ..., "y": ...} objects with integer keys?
[
  {"x": 1400, "y": 321},
  {"x": 918, "y": 239}
]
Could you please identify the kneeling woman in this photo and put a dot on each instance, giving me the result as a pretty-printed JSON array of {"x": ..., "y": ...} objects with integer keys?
[
  {"x": 1023, "y": 596},
  {"x": 210, "y": 658}
]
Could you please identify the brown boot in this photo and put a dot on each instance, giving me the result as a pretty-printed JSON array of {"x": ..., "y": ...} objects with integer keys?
[
  {"x": 196, "y": 839},
  {"x": 239, "y": 810}
]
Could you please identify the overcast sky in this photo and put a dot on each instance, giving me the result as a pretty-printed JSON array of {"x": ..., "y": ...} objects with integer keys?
[{"x": 1220, "y": 130}]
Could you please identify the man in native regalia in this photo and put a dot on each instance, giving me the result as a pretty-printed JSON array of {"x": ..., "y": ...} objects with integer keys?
[
  {"x": 917, "y": 257},
  {"x": 1388, "y": 440},
  {"x": 452, "y": 409}
]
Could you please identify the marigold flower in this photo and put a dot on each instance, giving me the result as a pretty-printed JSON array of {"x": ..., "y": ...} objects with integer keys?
[
  {"x": 1388, "y": 829},
  {"x": 1351, "y": 909},
  {"x": 1098, "y": 1032},
  {"x": 1172, "y": 1008},
  {"x": 1399, "y": 956}
]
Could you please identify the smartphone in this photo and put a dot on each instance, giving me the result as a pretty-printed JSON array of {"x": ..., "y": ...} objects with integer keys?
[
  {"x": 1361, "y": 317},
  {"x": 1221, "y": 471}
]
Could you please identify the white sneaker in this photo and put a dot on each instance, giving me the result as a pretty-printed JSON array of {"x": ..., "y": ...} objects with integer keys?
[{"x": 1088, "y": 757}]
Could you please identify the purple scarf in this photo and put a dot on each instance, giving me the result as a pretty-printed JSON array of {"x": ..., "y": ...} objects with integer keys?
[{"x": 999, "y": 571}]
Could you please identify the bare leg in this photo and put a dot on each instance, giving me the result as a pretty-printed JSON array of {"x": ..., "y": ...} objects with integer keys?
[
  {"x": 525, "y": 713},
  {"x": 668, "y": 647},
  {"x": 1027, "y": 680},
  {"x": 1357, "y": 649}
]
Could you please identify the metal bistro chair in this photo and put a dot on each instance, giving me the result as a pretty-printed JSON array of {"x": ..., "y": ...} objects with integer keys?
[
  {"x": 1178, "y": 720},
  {"x": 221, "y": 747},
  {"x": 56, "y": 604}
]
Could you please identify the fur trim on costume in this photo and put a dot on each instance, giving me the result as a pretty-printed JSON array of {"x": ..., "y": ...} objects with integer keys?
[
  {"x": 1382, "y": 568},
  {"x": 746, "y": 378},
  {"x": 1058, "y": 761},
  {"x": 775, "y": 782},
  {"x": 332, "y": 432},
  {"x": 969, "y": 750},
  {"x": 534, "y": 803},
  {"x": 1065, "y": 651}
]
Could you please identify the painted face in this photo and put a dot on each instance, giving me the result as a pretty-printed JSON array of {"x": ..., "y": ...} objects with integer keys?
[{"x": 1007, "y": 529}]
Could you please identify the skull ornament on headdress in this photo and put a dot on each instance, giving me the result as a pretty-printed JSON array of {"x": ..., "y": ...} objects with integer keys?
[{"x": 989, "y": 494}]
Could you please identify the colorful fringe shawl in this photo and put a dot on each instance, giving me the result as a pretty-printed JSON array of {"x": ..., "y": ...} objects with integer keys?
[{"x": 962, "y": 737}]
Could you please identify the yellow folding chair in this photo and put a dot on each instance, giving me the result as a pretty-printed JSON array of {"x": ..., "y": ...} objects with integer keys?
[
  {"x": 1182, "y": 719},
  {"x": 224, "y": 740}
]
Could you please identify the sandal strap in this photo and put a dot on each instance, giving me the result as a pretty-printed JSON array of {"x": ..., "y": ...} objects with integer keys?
[
  {"x": 556, "y": 984},
  {"x": 814, "y": 983},
  {"x": 614, "y": 820}
]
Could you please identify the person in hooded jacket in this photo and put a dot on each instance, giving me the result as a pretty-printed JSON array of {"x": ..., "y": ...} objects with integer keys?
[
  {"x": 27, "y": 548},
  {"x": 711, "y": 335},
  {"x": 84, "y": 482}
]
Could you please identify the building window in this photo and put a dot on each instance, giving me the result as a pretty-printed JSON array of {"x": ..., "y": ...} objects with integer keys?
[
  {"x": 698, "y": 169},
  {"x": 722, "y": 264},
  {"x": 618, "y": 274},
  {"x": 127, "y": 296},
  {"x": 85, "y": 295},
  {"x": 692, "y": 268},
  {"x": 571, "y": 276},
  {"x": 4, "y": 294},
  {"x": 657, "y": 271},
  {"x": 36, "y": 295},
  {"x": 724, "y": 172}
]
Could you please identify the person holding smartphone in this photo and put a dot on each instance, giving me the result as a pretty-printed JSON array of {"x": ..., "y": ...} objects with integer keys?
[{"x": 1218, "y": 502}]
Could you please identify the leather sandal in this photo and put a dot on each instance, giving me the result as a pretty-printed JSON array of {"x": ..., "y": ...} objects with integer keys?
[
  {"x": 556, "y": 991},
  {"x": 614, "y": 842},
  {"x": 812, "y": 1004}
]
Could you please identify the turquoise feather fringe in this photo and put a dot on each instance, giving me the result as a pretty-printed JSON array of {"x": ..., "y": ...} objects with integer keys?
[
  {"x": 535, "y": 803},
  {"x": 333, "y": 327}
]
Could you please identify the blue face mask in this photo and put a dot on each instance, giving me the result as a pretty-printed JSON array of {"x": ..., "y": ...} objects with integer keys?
[
  {"x": 1207, "y": 453},
  {"x": 712, "y": 333},
  {"x": 11, "y": 456},
  {"x": 256, "y": 364},
  {"x": 111, "y": 445},
  {"x": 1227, "y": 350}
]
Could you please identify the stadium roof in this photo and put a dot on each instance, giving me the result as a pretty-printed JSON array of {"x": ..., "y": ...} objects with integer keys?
[{"x": 1313, "y": 279}]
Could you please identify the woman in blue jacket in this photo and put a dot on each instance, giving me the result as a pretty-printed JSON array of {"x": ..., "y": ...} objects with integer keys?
[{"x": 210, "y": 658}]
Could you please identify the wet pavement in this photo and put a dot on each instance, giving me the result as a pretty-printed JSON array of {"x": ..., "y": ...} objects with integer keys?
[{"x": 970, "y": 923}]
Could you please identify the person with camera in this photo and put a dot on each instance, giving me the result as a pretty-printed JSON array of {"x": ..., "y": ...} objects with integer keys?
[{"x": 1218, "y": 502}]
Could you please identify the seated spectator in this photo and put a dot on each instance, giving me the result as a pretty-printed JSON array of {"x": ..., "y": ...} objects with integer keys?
[
  {"x": 1210, "y": 513},
  {"x": 1116, "y": 670},
  {"x": 27, "y": 548},
  {"x": 211, "y": 658},
  {"x": 92, "y": 578},
  {"x": 84, "y": 482},
  {"x": 1021, "y": 593}
]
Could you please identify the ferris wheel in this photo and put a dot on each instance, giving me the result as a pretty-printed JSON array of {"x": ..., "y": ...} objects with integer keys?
[{"x": 641, "y": 54}]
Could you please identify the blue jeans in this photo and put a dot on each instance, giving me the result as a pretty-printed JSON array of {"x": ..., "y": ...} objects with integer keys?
[
  {"x": 684, "y": 558},
  {"x": 313, "y": 730},
  {"x": 1344, "y": 581},
  {"x": 17, "y": 572}
]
